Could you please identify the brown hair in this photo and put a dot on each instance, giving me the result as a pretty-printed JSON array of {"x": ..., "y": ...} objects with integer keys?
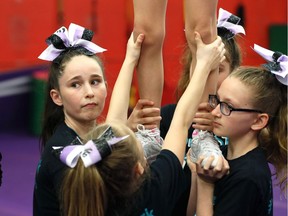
[
  {"x": 108, "y": 185},
  {"x": 270, "y": 96}
]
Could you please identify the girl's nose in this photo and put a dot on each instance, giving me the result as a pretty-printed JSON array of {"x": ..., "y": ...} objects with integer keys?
[
  {"x": 216, "y": 111},
  {"x": 89, "y": 91}
]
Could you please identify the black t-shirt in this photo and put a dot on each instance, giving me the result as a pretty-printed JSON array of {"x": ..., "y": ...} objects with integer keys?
[
  {"x": 247, "y": 190},
  {"x": 162, "y": 191},
  {"x": 49, "y": 174},
  {"x": 167, "y": 113}
]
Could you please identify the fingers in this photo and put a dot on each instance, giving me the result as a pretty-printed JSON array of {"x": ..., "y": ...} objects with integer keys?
[
  {"x": 204, "y": 107},
  {"x": 202, "y": 127},
  {"x": 208, "y": 174},
  {"x": 144, "y": 103},
  {"x": 223, "y": 57},
  {"x": 131, "y": 37},
  {"x": 203, "y": 121},
  {"x": 223, "y": 51},
  {"x": 207, "y": 163},
  {"x": 190, "y": 164},
  {"x": 150, "y": 126},
  {"x": 205, "y": 116},
  {"x": 220, "y": 46},
  {"x": 144, "y": 113},
  {"x": 198, "y": 39},
  {"x": 150, "y": 121},
  {"x": 202, "y": 124},
  {"x": 150, "y": 111},
  {"x": 221, "y": 168},
  {"x": 139, "y": 40},
  {"x": 218, "y": 40},
  {"x": 226, "y": 167}
]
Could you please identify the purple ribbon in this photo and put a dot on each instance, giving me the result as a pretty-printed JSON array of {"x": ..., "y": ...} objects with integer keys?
[
  {"x": 277, "y": 63},
  {"x": 62, "y": 39},
  {"x": 230, "y": 22},
  {"x": 91, "y": 152}
]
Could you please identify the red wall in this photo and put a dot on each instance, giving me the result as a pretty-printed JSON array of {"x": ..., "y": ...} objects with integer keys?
[{"x": 25, "y": 24}]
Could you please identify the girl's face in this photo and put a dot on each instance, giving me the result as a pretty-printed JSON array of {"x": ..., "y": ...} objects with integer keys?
[
  {"x": 224, "y": 71},
  {"x": 82, "y": 90},
  {"x": 237, "y": 95}
]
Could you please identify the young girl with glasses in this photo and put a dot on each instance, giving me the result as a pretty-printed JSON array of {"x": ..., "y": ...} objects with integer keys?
[{"x": 250, "y": 108}]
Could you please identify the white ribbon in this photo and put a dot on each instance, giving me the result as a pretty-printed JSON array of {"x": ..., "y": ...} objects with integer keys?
[
  {"x": 223, "y": 17},
  {"x": 70, "y": 38},
  {"x": 282, "y": 61},
  {"x": 89, "y": 153}
]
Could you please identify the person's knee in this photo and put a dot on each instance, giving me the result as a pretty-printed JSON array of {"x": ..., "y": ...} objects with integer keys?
[
  {"x": 154, "y": 37},
  {"x": 208, "y": 34}
]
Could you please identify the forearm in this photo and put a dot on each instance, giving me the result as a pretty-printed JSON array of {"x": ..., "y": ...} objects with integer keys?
[
  {"x": 192, "y": 97},
  {"x": 205, "y": 192},
  {"x": 119, "y": 101},
  {"x": 191, "y": 208},
  {"x": 208, "y": 57},
  {"x": 185, "y": 111}
]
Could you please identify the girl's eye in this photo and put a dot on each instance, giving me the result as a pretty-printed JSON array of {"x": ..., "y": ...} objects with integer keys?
[
  {"x": 75, "y": 85},
  {"x": 230, "y": 105},
  {"x": 96, "y": 81}
]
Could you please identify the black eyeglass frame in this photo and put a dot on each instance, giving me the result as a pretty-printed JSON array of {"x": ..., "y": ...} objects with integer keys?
[{"x": 230, "y": 108}]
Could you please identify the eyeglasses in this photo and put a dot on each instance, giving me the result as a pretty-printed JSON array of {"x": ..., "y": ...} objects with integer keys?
[{"x": 225, "y": 108}]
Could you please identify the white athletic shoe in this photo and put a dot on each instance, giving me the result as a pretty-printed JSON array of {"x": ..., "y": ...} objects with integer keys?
[
  {"x": 151, "y": 142},
  {"x": 204, "y": 144}
]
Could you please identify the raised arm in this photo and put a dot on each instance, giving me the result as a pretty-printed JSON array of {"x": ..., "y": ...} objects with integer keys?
[
  {"x": 208, "y": 58},
  {"x": 119, "y": 101}
]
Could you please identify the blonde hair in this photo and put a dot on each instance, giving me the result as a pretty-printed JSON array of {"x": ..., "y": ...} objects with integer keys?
[
  {"x": 269, "y": 96},
  {"x": 106, "y": 185}
]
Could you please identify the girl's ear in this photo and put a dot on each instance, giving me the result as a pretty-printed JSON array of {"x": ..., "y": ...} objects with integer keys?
[
  {"x": 56, "y": 97},
  {"x": 260, "y": 122},
  {"x": 139, "y": 169}
]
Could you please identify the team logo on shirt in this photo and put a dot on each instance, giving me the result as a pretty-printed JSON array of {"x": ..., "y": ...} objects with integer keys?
[{"x": 147, "y": 212}]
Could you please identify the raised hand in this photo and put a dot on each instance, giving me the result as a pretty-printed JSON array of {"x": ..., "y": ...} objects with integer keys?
[
  {"x": 134, "y": 48},
  {"x": 144, "y": 113},
  {"x": 205, "y": 172},
  {"x": 212, "y": 53}
]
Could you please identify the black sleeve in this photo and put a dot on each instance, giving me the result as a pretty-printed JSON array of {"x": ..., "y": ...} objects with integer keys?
[{"x": 168, "y": 179}]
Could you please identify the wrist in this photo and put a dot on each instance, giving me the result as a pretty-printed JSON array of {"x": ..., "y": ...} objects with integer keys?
[
  {"x": 130, "y": 58},
  {"x": 203, "y": 65},
  {"x": 205, "y": 182}
]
